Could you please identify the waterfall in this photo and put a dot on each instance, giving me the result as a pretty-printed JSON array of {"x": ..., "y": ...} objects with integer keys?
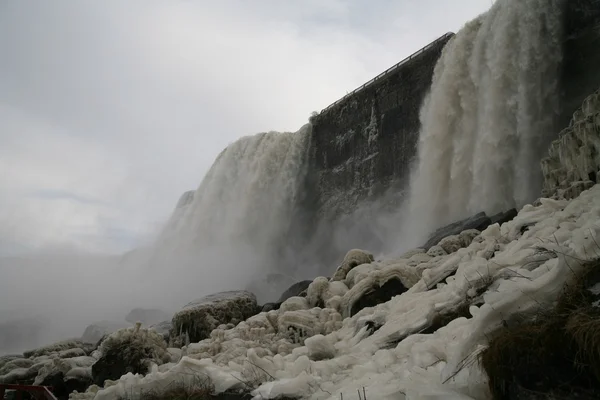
[
  {"x": 237, "y": 226},
  {"x": 489, "y": 115}
]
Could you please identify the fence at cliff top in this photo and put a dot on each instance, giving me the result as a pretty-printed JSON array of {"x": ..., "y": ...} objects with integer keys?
[{"x": 389, "y": 70}]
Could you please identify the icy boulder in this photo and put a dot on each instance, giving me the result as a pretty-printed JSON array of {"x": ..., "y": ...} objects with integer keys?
[
  {"x": 198, "y": 318},
  {"x": 129, "y": 350},
  {"x": 147, "y": 316},
  {"x": 352, "y": 259}
]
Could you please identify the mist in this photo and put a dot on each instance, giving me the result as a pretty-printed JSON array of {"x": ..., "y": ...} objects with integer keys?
[{"x": 110, "y": 111}]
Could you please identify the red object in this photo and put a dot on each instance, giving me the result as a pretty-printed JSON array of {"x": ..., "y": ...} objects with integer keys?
[{"x": 38, "y": 392}]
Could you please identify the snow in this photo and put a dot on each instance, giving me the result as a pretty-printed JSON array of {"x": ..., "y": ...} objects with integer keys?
[{"x": 326, "y": 357}]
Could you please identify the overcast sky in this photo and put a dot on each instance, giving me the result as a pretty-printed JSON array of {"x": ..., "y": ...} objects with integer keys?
[{"x": 109, "y": 110}]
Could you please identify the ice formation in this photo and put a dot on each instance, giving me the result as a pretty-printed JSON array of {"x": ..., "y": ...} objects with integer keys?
[
  {"x": 490, "y": 114},
  {"x": 308, "y": 351},
  {"x": 573, "y": 161}
]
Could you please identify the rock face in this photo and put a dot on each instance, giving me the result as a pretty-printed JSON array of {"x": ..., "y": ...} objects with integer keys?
[
  {"x": 573, "y": 161},
  {"x": 147, "y": 316},
  {"x": 198, "y": 318},
  {"x": 364, "y": 143}
]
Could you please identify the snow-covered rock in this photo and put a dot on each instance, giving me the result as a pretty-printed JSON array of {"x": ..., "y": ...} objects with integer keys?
[
  {"x": 198, "y": 318},
  {"x": 352, "y": 259},
  {"x": 517, "y": 267},
  {"x": 129, "y": 350},
  {"x": 573, "y": 161}
]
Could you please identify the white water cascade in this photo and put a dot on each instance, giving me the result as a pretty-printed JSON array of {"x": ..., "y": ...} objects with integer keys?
[
  {"x": 235, "y": 227},
  {"x": 490, "y": 114}
]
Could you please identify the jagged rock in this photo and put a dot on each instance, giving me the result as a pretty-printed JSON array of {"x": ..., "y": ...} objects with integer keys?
[
  {"x": 294, "y": 290},
  {"x": 198, "y": 318},
  {"x": 504, "y": 217},
  {"x": 129, "y": 350},
  {"x": 378, "y": 295},
  {"x": 478, "y": 221},
  {"x": 94, "y": 332},
  {"x": 147, "y": 316},
  {"x": 353, "y": 258}
]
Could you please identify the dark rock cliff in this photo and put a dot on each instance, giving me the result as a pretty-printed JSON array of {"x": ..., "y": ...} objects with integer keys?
[{"x": 363, "y": 144}]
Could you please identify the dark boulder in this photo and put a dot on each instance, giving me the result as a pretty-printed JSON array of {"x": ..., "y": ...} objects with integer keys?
[
  {"x": 504, "y": 217},
  {"x": 79, "y": 383},
  {"x": 294, "y": 290},
  {"x": 378, "y": 295},
  {"x": 478, "y": 221},
  {"x": 129, "y": 350}
]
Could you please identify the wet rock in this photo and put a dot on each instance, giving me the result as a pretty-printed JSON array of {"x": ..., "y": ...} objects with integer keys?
[
  {"x": 504, "y": 217},
  {"x": 478, "y": 221},
  {"x": 378, "y": 295}
]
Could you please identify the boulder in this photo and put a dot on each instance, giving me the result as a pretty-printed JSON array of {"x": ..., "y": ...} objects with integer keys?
[
  {"x": 378, "y": 295},
  {"x": 198, "y": 318},
  {"x": 504, "y": 217},
  {"x": 295, "y": 290},
  {"x": 147, "y": 316},
  {"x": 129, "y": 350},
  {"x": 352, "y": 259},
  {"x": 478, "y": 221}
]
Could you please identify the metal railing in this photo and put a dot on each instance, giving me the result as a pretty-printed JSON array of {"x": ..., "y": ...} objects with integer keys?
[
  {"x": 37, "y": 392},
  {"x": 389, "y": 70}
]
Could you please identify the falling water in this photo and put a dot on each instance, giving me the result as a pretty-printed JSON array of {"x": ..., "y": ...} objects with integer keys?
[{"x": 489, "y": 115}]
